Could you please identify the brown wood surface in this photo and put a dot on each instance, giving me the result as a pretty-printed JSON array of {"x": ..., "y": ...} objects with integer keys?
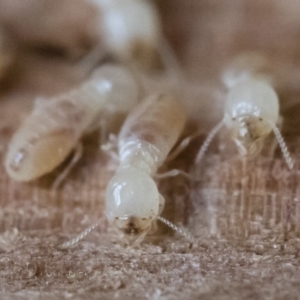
[{"x": 245, "y": 216}]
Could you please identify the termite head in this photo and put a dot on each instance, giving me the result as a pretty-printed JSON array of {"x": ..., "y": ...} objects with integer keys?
[
  {"x": 29, "y": 158},
  {"x": 133, "y": 229},
  {"x": 248, "y": 133},
  {"x": 251, "y": 107},
  {"x": 132, "y": 203}
]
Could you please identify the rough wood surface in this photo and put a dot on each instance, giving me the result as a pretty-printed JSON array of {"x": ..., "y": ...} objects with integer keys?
[{"x": 245, "y": 216}]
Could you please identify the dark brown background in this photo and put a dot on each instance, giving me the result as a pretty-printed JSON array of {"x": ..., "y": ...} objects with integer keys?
[{"x": 245, "y": 217}]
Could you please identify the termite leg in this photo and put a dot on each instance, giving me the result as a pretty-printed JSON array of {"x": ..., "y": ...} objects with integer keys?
[
  {"x": 76, "y": 156},
  {"x": 285, "y": 152},
  {"x": 111, "y": 147},
  {"x": 172, "y": 173}
]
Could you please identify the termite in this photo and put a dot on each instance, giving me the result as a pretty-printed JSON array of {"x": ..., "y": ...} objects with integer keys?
[
  {"x": 55, "y": 126},
  {"x": 133, "y": 201},
  {"x": 251, "y": 114},
  {"x": 131, "y": 31}
]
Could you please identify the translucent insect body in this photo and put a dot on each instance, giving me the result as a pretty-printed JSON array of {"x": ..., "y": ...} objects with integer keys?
[
  {"x": 133, "y": 201},
  {"x": 251, "y": 107},
  {"x": 54, "y": 127},
  {"x": 251, "y": 114},
  {"x": 130, "y": 29}
]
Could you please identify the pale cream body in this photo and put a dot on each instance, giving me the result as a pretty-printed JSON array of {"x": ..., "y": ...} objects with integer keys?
[
  {"x": 130, "y": 30},
  {"x": 251, "y": 107},
  {"x": 55, "y": 125},
  {"x": 147, "y": 136}
]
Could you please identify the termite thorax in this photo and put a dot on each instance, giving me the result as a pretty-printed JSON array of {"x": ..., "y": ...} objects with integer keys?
[{"x": 140, "y": 155}]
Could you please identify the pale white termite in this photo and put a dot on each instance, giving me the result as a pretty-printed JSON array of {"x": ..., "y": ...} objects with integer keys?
[
  {"x": 251, "y": 113},
  {"x": 54, "y": 127},
  {"x": 133, "y": 202},
  {"x": 129, "y": 28},
  {"x": 131, "y": 31}
]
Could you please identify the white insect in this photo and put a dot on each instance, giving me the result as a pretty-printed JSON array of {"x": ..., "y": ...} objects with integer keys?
[
  {"x": 133, "y": 202},
  {"x": 130, "y": 28},
  {"x": 131, "y": 31},
  {"x": 251, "y": 113},
  {"x": 55, "y": 126}
]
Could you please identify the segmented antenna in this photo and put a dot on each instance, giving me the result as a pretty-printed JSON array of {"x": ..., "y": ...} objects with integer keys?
[
  {"x": 81, "y": 236},
  {"x": 286, "y": 154},
  {"x": 208, "y": 140},
  {"x": 176, "y": 228}
]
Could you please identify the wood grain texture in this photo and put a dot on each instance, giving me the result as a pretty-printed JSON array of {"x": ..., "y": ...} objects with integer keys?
[{"x": 245, "y": 217}]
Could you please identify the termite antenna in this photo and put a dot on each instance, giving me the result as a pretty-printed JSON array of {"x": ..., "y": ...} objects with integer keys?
[
  {"x": 286, "y": 154},
  {"x": 176, "y": 228},
  {"x": 208, "y": 140},
  {"x": 81, "y": 236}
]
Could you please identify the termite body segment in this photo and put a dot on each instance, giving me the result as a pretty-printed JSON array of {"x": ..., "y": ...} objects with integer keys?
[
  {"x": 54, "y": 127},
  {"x": 133, "y": 201}
]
